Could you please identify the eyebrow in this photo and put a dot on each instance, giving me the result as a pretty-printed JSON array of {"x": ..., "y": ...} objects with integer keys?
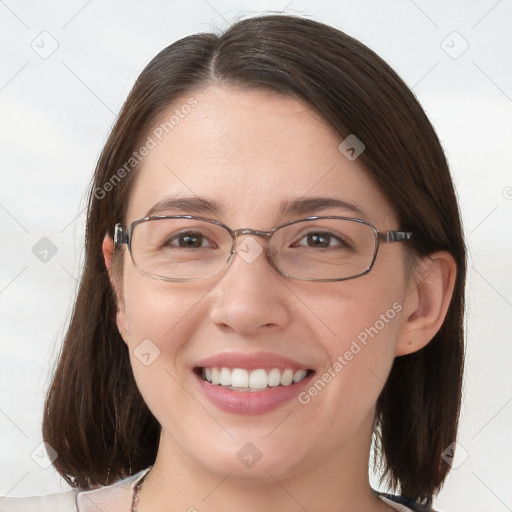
[
  {"x": 310, "y": 205},
  {"x": 303, "y": 206},
  {"x": 193, "y": 204}
]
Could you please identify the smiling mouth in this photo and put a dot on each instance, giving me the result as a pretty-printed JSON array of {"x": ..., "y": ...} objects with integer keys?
[{"x": 260, "y": 379}]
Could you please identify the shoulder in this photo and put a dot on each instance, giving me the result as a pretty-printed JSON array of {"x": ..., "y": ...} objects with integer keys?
[
  {"x": 60, "y": 502},
  {"x": 112, "y": 498}
]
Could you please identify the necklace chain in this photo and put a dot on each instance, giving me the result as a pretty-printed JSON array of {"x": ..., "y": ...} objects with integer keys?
[{"x": 136, "y": 492}]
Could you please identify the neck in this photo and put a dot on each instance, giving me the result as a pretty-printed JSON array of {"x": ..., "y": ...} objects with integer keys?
[{"x": 337, "y": 481}]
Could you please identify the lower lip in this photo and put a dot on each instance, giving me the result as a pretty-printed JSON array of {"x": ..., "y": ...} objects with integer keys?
[{"x": 250, "y": 402}]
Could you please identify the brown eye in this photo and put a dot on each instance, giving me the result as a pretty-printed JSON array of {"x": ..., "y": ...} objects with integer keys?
[
  {"x": 321, "y": 240},
  {"x": 318, "y": 240},
  {"x": 189, "y": 240}
]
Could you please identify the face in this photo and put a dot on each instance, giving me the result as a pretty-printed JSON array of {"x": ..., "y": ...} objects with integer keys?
[{"x": 251, "y": 153}]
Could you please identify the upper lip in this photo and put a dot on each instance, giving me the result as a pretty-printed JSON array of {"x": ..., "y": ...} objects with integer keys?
[{"x": 253, "y": 361}]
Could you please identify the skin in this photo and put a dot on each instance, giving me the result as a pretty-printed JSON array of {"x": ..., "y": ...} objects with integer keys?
[{"x": 250, "y": 151}]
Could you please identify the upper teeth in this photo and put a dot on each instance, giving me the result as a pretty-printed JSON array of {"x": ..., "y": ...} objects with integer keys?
[{"x": 255, "y": 379}]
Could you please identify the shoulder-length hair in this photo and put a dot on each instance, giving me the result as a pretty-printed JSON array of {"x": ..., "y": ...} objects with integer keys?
[{"x": 95, "y": 417}]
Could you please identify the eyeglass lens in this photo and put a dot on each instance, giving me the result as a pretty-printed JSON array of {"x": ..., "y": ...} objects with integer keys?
[{"x": 189, "y": 249}]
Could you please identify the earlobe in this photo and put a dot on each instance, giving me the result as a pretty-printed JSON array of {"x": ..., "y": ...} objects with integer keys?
[
  {"x": 107, "y": 248},
  {"x": 427, "y": 303},
  {"x": 108, "y": 253}
]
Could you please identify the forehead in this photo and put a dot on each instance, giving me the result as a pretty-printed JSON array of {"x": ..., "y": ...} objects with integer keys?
[{"x": 249, "y": 152}]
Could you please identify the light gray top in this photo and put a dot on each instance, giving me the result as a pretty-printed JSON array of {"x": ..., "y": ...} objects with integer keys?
[{"x": 113, "y": 498}]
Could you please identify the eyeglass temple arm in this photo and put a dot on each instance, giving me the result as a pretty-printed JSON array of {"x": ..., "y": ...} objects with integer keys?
[
  {"x": 120, "y": 235},
  {"x": 395, "y": 236}
]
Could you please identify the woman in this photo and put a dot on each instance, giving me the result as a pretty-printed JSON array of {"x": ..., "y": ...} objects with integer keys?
[{"x": 274, "y": 278}]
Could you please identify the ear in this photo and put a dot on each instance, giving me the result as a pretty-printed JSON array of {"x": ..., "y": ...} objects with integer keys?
[
  {"x": 427, "y": 302},
  {"x": 107, "y": 248}
]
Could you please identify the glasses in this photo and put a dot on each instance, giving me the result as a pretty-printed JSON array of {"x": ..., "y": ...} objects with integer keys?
[{"x": 188, "y": 248}]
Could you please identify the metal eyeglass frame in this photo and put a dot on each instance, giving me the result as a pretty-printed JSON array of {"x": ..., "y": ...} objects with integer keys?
[{"x": 123, "y": 235}]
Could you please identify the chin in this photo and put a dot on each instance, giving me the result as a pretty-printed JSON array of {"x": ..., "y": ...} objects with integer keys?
[{"x": 249, "y": 461}]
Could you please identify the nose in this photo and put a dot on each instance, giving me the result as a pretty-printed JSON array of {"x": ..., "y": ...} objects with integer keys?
[{"x": 250, "y": 296}]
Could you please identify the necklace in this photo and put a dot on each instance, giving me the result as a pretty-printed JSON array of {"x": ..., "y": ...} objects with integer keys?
[{"x": 136, "y": 492}]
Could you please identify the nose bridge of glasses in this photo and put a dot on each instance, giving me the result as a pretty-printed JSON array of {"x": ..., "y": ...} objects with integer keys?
[
  {"x": 247, "y": 250},
  {"x": 253, "y": 232}
]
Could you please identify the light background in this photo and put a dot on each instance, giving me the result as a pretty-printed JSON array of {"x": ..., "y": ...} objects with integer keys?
[{"x": 56, "y": 112}]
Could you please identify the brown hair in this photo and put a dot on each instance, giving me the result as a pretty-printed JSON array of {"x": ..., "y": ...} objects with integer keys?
[{"x": 95, "y": 417}]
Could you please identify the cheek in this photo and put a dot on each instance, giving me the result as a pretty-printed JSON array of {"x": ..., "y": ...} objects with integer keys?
[
  {"x": 367, "y": 311},
  {"x": 363, "y": 324},
  {"x": 159, "y": 310},
  {"x": 161, "y": 319},
  {"x": 364, "y": 350},
  {"x": 359, "y": 311}
]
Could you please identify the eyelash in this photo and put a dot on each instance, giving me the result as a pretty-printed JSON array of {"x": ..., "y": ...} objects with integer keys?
[{"x": 324, "y": 234}]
